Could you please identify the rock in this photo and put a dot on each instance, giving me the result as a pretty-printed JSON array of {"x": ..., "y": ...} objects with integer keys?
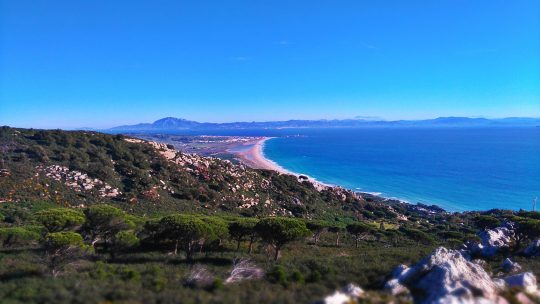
[
  {"x": 348, "y": 294},
  {"x": 533, "y": 249},
  {"x": 509, "y": 266},
  {"x": 523, "y": 298},
  {"x": 493, "y": 240},
  {"x": 445, "y": 276},
  {"x": 395, "y": 287},
  {"x": 525, "y": 281},
  {"x": 353, "y": 290}
]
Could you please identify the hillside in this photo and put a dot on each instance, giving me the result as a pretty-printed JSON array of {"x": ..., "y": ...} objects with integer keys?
[{"x": 81, "y": 168}]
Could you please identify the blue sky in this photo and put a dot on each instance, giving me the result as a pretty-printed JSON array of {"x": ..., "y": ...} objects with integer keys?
[{"x": 66, "y": 64}]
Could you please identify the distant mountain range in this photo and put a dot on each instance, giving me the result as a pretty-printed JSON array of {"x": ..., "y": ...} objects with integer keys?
[{"x": 171, "y": 124}]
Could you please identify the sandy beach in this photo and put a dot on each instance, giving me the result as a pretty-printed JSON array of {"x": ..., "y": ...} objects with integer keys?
[{"x": 254, "y": 157}]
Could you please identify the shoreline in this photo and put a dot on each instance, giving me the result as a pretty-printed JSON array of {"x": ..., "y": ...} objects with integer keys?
[{"x": 254, "y": 158}]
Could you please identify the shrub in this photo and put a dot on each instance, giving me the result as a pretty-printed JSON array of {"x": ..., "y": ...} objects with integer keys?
[{"x": 277, "y": 275}]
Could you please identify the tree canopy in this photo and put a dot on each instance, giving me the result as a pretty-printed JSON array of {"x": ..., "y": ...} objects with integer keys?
[{"x": 279, "y": 231}]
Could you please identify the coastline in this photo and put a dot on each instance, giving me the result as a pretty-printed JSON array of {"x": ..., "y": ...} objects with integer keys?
[{"x": 254, "y": 157}]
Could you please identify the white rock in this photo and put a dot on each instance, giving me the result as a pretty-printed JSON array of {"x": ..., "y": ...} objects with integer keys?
[
  {"x": 446, "y": 276},
  {"x": 395, "y": 287},
  {"x": 495, "y": 239},
  {"x": 509, "y": 266},
  {"x": 525, "y": 281},
  {"x": 348, "y": 294}
]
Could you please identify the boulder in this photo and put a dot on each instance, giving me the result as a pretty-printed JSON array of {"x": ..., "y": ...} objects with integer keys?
[
  {"x": 525, "y": 281},
  {"x": 445, "y": 276},
  {"x": 493, "y": 240},
  {"x": 533, "y": 249},
  {"x": 509, "y": 266}
]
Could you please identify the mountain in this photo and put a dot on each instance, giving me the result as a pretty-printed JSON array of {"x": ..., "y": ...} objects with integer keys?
[{"x": 171, "y": 124}]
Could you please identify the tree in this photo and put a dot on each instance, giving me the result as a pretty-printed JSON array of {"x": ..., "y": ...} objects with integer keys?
[
  {"x": 60, "y": 219},
  {"x": 360, "y": 231},
  {"x": 337, "y": 229},
  {"x": 104, "y": 221},
  {"x": 185, "y": 231},
  {"x": 16, "y": 236},
  {"x": 280, "y": 231},
  {"x": 317, "y": 228},
  {"x": 61, "y": 248},
  {"x": 122, "y": 241},
  {"x": 218, "y": 226},
  {"x": 242, "y": 229}
]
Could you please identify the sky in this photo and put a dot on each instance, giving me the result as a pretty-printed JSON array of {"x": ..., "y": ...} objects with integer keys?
[{"x": 71, "y": 64}]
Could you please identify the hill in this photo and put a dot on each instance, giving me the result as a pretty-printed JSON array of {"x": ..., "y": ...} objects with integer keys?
[{"x": 81, "y": 168}]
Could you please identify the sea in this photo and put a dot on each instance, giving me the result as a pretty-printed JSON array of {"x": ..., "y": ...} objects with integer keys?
[{"x": 459, "y": 169}]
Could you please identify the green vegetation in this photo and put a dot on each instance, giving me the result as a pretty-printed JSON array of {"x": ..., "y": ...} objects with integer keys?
[{"x": 62, "y": 243}]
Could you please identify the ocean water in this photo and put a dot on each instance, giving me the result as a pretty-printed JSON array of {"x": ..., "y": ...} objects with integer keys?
[
  {"x": 458, "y": 169},
  {"x": 455, "y": 168}
]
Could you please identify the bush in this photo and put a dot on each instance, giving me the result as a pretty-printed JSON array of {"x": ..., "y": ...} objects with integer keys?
[{"x": 17, "y": 236}]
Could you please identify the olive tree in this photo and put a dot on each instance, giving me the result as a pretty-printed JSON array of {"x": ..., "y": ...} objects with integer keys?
[
  {"x": 60, "y": 219},
  {"x": 278, "y": 231}
]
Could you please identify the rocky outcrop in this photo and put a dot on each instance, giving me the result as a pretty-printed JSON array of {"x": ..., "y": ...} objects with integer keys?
[
  {"x": 491, "y": 241},
  {"x": 446, "y": 276},
  {"x": 77, "y": 180}
]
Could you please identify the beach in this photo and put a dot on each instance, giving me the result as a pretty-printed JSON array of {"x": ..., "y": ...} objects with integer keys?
[{"x": 253, "y": 156}]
